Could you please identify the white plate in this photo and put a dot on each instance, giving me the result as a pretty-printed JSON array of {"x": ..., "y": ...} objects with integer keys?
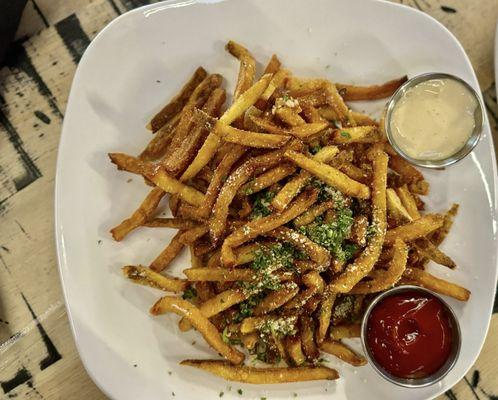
[{"x": 116, "y": 90}]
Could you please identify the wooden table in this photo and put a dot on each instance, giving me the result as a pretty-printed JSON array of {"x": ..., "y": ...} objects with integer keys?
[{"x": 38, "y": 358}]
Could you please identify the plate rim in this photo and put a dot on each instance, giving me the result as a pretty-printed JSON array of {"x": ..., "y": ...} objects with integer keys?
[{"x": 163, "y": 6}]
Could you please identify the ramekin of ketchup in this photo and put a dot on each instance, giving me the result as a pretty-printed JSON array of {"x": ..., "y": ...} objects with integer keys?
[{"x": 411, "y": 336}]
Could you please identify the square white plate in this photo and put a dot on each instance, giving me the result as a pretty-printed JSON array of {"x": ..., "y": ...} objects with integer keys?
[{"x": 133, "y": 67}]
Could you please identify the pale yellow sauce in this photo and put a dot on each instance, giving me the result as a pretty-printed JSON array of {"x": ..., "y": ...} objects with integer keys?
[{"x": 434, "y": 119}]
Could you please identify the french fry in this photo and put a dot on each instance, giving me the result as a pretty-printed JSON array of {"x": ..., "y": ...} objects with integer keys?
[
  {"x": 359, "y": 230},
  {"x": 383, "y": 280},
  {"x": 343, "y": 352},
  {"x": 236, "y": 110},
  {"x": 268, "y": 178},
  {"x": 170, "y": 252},
  {"x": 357, "y": 134},
  {"x": 408, "y": 201},
  {"x": 273, "y": 65},
  {"x": 354, "y": 172},
  {"x": 395, "y": 207},
  {"x": 185, "y": 144},
  {"x": 175, "y": 223},
  {"x": 416, "y": 229},
  {"x": 178, "y": 102},
  {"x": 191, "y": 235},
  {"x": 317, "y": 253},
  {"x": 427, "y": 249},
  {"x": 262, "y": 375},
  {"x": 440, "y": 234},
  {"x": 247, "y": 67},
  {"x": 309, "y": 216},
  {"x": 422, "y": 278},
  {"x": 215, "y": 305},
  {"x": 290, "y": 116},
  {"x": 217, "y": 274},
  {"x": 374, "y": 92},
  {"x": 292, "y": 188},
  {"x": 324, "y": 315},
  {"x": 420, "y": 187},
  {"x": 315, "y": 284},
  {"x": 157, "y": 146},
  {"x": 339, "y": 332},
  {"x": 362, "y": 265},
  {"x": 276, "y": 299},
  {"x": 276, "y": 82},
  {"x": 140, "y": 216},
  {"x": 147, "y": 277},
  {"x": 407, "y": 171},
  {"x": 307, "y": 331},
  {"x": 294, "y": 350},
  {"x": 199, "y": 322},
  {"x": 127, "y": 163},
  {"x": 258, "y": 227},
  {"x": 252, "y": 324},
  {"x": 251, "y": 139},
  {"x": 329, "y": 175}
]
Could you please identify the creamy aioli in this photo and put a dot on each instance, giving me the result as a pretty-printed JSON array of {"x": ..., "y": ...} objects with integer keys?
[{"x": 434, "y": 119}]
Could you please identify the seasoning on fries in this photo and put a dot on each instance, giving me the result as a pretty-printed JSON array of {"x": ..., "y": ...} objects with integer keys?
[{"x": 295, "y": 211}]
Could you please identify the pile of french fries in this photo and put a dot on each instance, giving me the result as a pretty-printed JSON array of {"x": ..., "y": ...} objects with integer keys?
[{"x": 295, "y": 210}]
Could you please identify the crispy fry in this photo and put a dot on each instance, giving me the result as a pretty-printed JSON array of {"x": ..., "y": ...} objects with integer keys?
[
  {"x": 236, "y": 110},
  {"x": 374, "y": 92},
  {"x": 309, "y": 216},
  {"x": 294, "y": 350},
  {"x": 251, "y": 139},
  {"x": 217, "y": 274},
  {"x": 290, "y": 116},
  {"x": 201, "y": 323},
  {"x": 252, "y": 324},
  {"x": 408, "y": 201},
  {"x": 329, "y": 175},
  {"x": 258, "y": 227},
  {"x": 262, "y": 375},
  {"x": 140, "y": 216},
  {"x": 345, "y": 331},
  {"x": 427, "y": 249},
  {"x": 292, "y": 188},
  {"x": 422, "y": 278},
  {"x": 440, "y": 234},
  {"x": 178, "y": 102},
  {"x": 168, "y": 254},
  {"x": 343, "y": 352},
  {"x": 268, "y": 178},
  {"x": 362, "y": 265},
  {"x": 191, "y": 235},
  {"x": 175, "y": 223},
  {"x": 357, "y": 134},
  {"x": 317, "y": 253},
  {"x": 407, "y": 171},
  {"x": 147, "y": 277},
  {"x": 247, "y": 67},
  {"x": 315, "y": 284},
  {"x": 306, "y": 328},
  {"x": 383, "y": 280},
  {"x": 273, "y": 65},
  {"x": 419, "y": 228},
  {"x": 276, "y": 82},
  {"x": 276, "y": 299},
  {"x": 396, "y": 209},
  {"x": 324, "y": 315}
]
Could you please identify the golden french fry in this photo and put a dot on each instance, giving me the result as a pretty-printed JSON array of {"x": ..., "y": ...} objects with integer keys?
[
  {"x": 292, "y": 188},
  {"x": 317, "y": 253},
  {"x": 324, "y": 315},
  {"x": 289, "y": 116},
  {"x": 362, "y": 265},
  {"x": 345, "y": 331},
  {"x": 408, "y": 201},
  {"x": 309, "y": 216},
  {"x": 440, "y": 234},
  {"x": 268, "y": 178},
  {"x": 251, "y": 139},
  {"x": 262, "y": 375},
  {"x": 191, "y": 235},
  {"x": 273, "y": 65},
  {"x": 383, "y": 280},
  {"x": 374, "y": 92},
  {"x": 168, "y": 254},
  {"x": 276, "y": 299},
  {"x": 252, "y": 324},
  {"x": 420, "y": 187},
  {"x": 200, "y": 322},
  {"x": 147, "y": 277},
  {"x": 396, "y": 209},
  {"x": 247, "y": 67},
  {"x": 343, "y": 352},
  {"x": 175, "y": 223},
  {"x": 427, "y": 249},
  {"x": 217, "y": 274},
  {"x": 258, "y": 227},
  {"x": 357, "y": 134},
  {"x": 416, "y": 229},
  {"x": 422, "y": 278},
  {"x": 307, "y": 332},
  {"x": 329, "y": 175},
  {"x": 140, "y": 216},
  {"x": 407, "y": 171},
  {"x": 294, "y": 350},
  {"x": 178, "y": 102}
]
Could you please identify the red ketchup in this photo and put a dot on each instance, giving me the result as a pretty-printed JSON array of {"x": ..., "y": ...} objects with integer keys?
[{"x": 409, "y": 334}]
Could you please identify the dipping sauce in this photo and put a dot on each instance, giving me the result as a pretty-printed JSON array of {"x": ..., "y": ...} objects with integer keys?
[
  {"x": 434, "y": 119},
  {"x": 409, "y": 334}
]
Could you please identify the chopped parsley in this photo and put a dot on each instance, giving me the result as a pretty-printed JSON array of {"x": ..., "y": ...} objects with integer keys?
[
  {"x": 189, "y": 293},
  {"x": 329, "y": 193},
  {"x": 239, "y": 391},
  {"x": 315, "y": 149},
  {"x": 345, "y": 134},
  {"x": 226, "y": 336},
  {"x": 221, "y": 394},
  {"x": 261, "y": 205}
]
